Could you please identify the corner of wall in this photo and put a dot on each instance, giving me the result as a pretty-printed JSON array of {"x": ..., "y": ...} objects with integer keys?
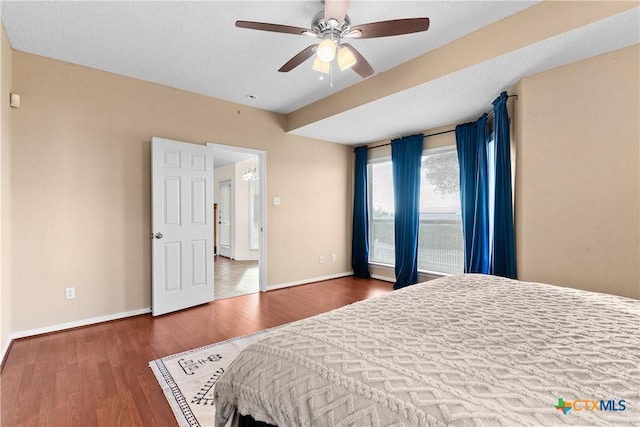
[
  {"x": 517, "y": 155},
  {"x": 6, "y": 301}
]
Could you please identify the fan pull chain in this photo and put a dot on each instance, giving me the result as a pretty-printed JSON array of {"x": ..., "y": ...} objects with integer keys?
[{"x": 331, "y": 75}]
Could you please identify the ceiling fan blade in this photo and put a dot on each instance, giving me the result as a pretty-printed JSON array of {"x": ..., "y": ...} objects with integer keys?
[
  {"x": 275, "y": 28},
  {"x": 304, "y": 54},
  {"x": 336, "y": 9},
  {"x": 361, "y": 66},
  {"x": 394, "y": 27}
]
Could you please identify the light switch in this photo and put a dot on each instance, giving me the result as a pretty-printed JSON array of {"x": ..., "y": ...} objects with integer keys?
[{"x": 14, "y": 100}]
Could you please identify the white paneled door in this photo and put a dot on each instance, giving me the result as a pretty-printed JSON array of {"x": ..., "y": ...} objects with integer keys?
[{"x": 182, "y": 225}]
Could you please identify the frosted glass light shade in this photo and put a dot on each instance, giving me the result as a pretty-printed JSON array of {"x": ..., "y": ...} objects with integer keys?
[
  {"x": 326, "y": 50},
  {"x": 321, "y": 66},
  {"x": 346, "y": 59}
]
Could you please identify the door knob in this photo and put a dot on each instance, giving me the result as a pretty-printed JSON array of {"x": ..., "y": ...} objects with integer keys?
[{"x": 157, "y": 236}]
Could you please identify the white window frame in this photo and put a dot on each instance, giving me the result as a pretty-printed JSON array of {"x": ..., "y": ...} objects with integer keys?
[{"x": 384, "y": 159}]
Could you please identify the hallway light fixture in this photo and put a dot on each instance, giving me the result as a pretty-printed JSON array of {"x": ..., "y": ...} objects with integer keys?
[{"x": 250, "y": 175}]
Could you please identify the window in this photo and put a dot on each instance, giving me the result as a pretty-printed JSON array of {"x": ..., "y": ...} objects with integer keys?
[
  {"x": 440, "y": 245},
  {"x": 381, "y": 211}
]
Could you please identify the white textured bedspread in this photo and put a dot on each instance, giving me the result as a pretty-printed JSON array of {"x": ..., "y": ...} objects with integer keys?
[{"x": 460, "y": 350}]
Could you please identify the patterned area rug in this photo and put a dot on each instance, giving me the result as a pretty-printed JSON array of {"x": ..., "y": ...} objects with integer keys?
[{"x": 187, "y": 378}]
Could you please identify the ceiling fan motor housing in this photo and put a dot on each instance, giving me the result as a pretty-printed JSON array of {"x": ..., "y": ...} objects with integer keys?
[{"x": 324, "y": 28}]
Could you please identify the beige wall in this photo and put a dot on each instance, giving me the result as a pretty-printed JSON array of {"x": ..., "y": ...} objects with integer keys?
[
  {"x": 81, "y": 200},
  {"x": 6, "y": 299},
  {"x": 578, "y": 179}
]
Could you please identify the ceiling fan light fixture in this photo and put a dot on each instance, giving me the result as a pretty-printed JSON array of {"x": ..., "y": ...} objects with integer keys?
[
  {"x": 326, "y": 50},
  {"x": 321, "y": 66},
  {"x": 346, "y": 59}
]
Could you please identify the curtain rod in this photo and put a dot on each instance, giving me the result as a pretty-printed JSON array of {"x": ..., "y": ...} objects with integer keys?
[
  {"x": 426, "y": 136},
  {"x": 444, "y": 131}
]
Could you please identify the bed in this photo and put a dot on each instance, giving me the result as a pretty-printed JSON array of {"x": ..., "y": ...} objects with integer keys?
[{"x": 459, "y": 350}]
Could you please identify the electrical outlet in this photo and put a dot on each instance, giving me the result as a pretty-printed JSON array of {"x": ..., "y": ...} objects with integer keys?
[
  {"x": 70, "y": 293},
  {"x": 333, "y": 257},
  {"x": 321, "y": 259}
]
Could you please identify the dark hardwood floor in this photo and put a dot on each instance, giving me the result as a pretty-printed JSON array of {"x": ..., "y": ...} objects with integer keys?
[{"x": 99, "y": 375}]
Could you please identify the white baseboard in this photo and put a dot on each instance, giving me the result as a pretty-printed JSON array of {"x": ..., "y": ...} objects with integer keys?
[
  {"x": 307, "y": 281},
  {"x": 5, "y": 349},
  {"x": 385, "y": 278},
  {"x": 78, "y": 323},
  {"x": 422, "y": 277}
]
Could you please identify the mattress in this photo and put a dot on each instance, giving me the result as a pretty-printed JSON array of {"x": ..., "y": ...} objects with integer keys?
[{"x": 459, "y": 350}]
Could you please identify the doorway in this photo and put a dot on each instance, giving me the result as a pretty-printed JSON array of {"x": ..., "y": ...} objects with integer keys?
[{"x": 240, "y": 263}]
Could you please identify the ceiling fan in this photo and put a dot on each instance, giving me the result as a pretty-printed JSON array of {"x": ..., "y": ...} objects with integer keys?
[{"x": 331, "y": 26}]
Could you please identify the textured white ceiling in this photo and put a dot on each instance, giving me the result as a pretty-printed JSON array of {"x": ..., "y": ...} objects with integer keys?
[
  {"x": 226, "y": 157},
  {"x": 195, "y": 46},
  {"x": 465, "y": 95}
]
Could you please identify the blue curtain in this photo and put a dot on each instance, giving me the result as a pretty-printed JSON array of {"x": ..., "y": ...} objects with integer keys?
[
  {"x": 406, "y": 159},
  {"x": 503, "y": 254},
  {"x": 471, "y": 140},
  {"x": 360, "y": 238}
]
